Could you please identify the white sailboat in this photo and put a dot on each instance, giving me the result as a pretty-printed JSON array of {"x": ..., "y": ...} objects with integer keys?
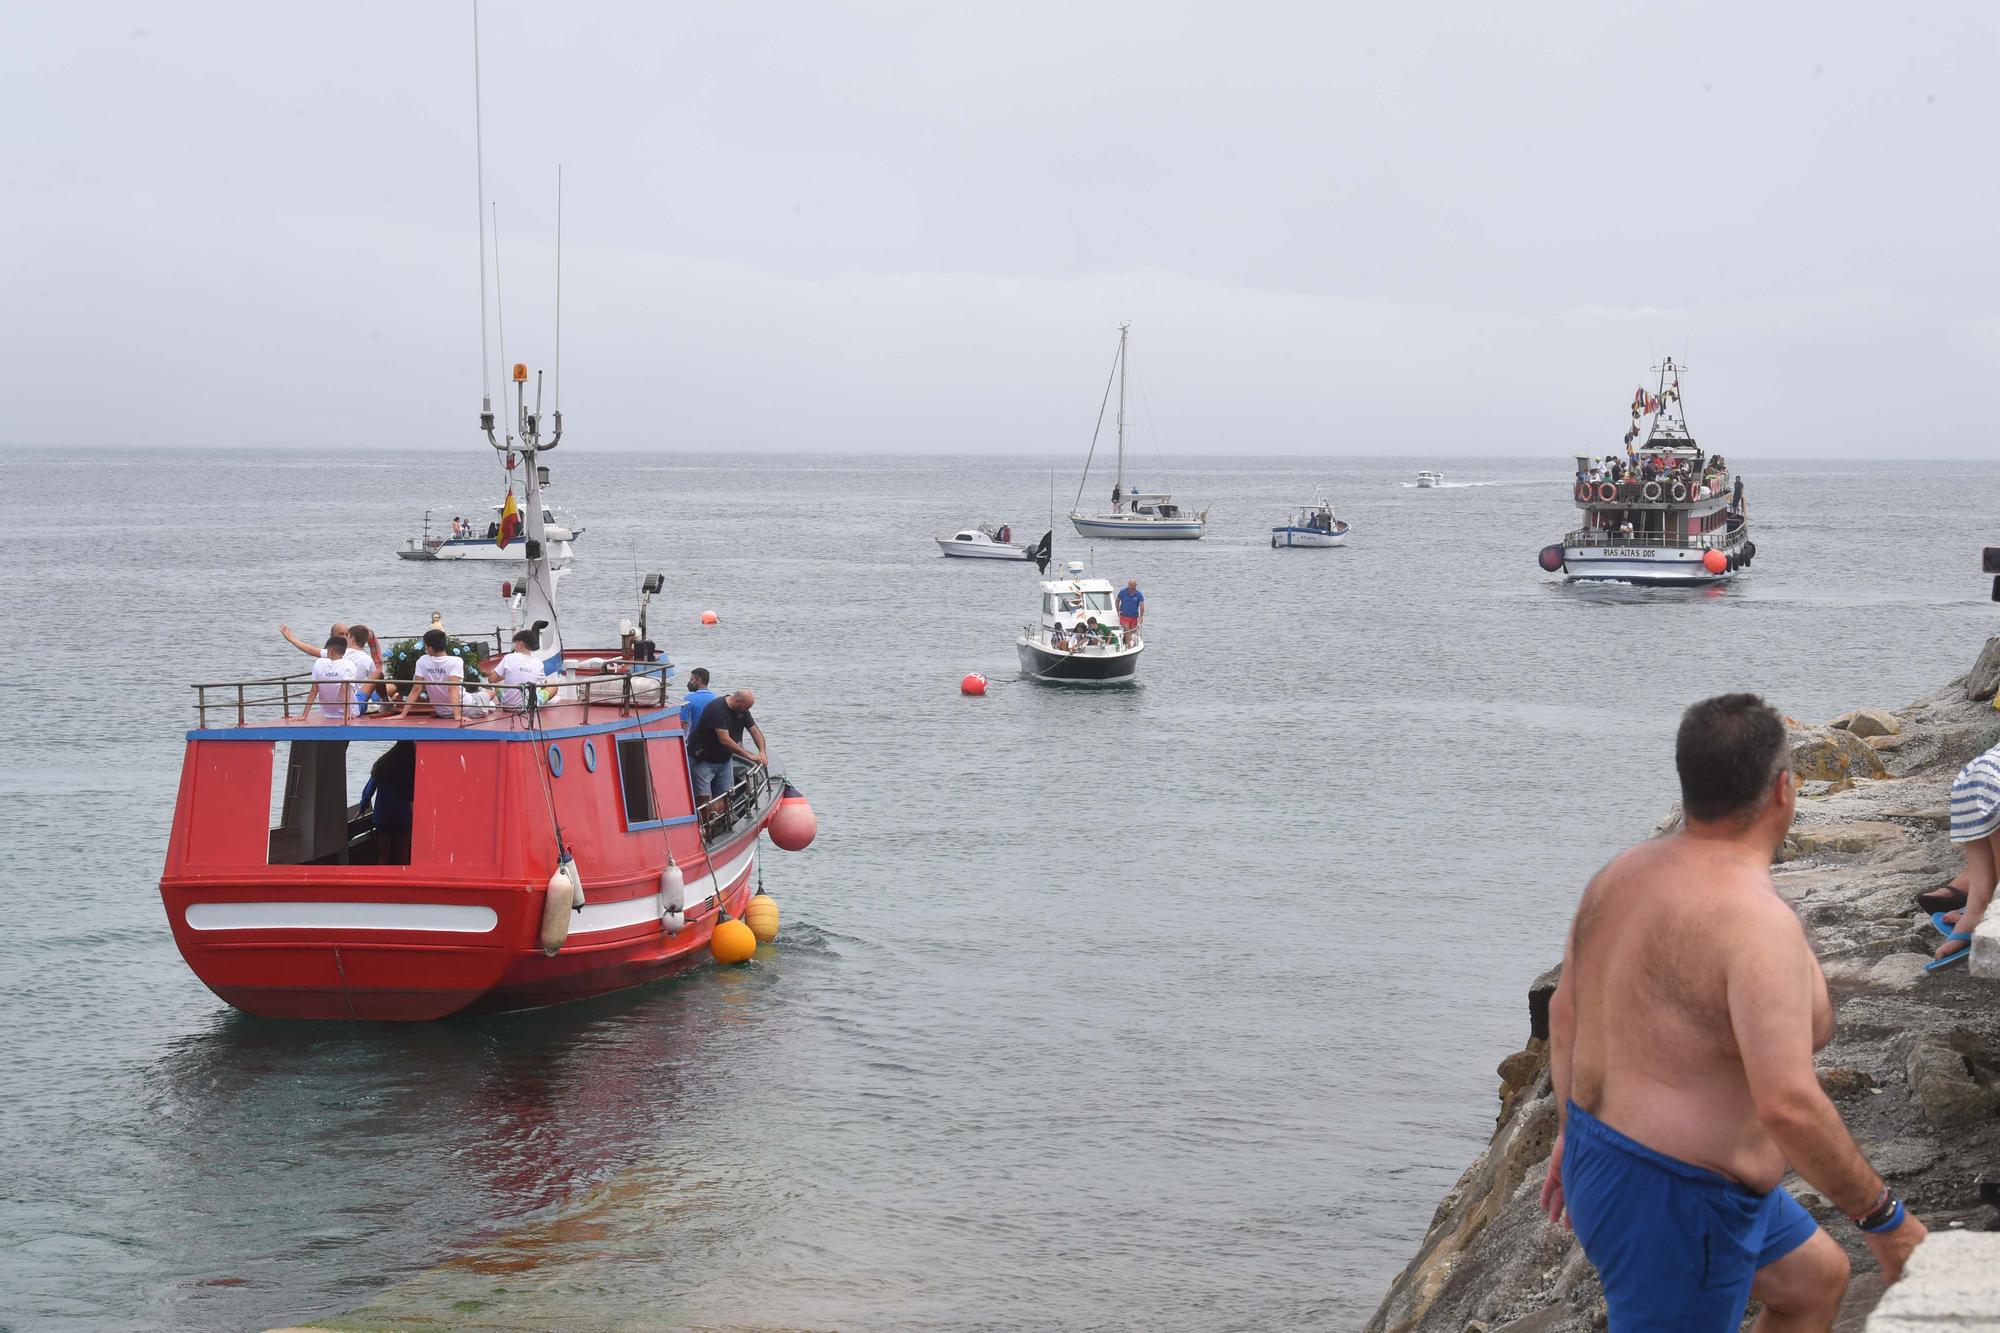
[{"x": 1135, "y": 515}]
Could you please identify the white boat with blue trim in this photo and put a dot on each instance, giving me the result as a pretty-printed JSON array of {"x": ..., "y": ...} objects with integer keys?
[
  {"x": 1134, "y": 515},
  {"x": 468, "y": 542},
  {"x": 1315, "y": 525}
]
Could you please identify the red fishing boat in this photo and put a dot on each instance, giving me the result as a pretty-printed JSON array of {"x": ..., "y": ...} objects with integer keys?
[{"x": 549, "y": 846}]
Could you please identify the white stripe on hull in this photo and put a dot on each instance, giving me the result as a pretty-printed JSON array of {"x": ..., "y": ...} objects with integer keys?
[
  {"x": 447, "y": 918},
  {"x": 1671, "y": 567},
  {"x": 1282, "y": 537},
  {"x": 628, "y": 912}
]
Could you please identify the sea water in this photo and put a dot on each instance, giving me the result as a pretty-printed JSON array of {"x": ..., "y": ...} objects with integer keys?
[{"x": 1173, "y": 1006}]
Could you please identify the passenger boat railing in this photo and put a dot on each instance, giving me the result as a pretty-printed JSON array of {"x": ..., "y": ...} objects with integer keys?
[
  {"x": 754, "y": 791},
  {"x": 621, "y": 686},
  {"x": 1720, "y": 540}
]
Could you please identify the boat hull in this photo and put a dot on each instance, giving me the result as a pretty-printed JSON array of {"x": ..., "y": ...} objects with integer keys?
[
  {"x": 1653, "y": 568},
  {"x": 1287, "y": 538},
  {"x": 977, "y": 551},
  {"x": 1078, "y": 668},
  {"x": 1139, "y": 529},
  {"x": 411, "y": 953}
]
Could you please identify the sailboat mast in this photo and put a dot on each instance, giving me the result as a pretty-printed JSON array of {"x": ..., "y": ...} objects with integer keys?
[{"x": 1123, "y": 333}]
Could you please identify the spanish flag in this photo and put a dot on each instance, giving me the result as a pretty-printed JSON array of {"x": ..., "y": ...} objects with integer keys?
[{"x": 510, "y": 521}]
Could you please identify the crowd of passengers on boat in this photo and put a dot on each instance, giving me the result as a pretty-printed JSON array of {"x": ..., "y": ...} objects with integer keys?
[{"x": 1653, "y": 477}]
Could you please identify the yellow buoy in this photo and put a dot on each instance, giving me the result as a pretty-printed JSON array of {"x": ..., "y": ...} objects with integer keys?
[
  {"x": 732, "y": 942},
  {"x": 762, "y": 917}
]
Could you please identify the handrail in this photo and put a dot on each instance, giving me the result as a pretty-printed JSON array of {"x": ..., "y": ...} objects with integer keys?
[
  {"x": 743, "y": 799},
  {"x": 1702, "y": 541},
  {"x": 614, "y": 687}
]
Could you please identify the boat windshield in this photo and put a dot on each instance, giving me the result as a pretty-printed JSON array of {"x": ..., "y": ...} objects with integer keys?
[{"x": 1056, "y": 603}]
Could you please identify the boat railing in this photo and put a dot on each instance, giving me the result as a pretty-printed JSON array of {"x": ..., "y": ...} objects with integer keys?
[
  {"x": 1722, "y": 539},
  {"x": 742, "y": 803},
  {"x": 619, "y": 686}
]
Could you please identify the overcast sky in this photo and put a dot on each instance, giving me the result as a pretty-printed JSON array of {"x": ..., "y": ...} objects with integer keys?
[{"x": 1413, "y": 228}]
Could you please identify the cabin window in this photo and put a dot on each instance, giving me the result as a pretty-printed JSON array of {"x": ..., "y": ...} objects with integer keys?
[
  {"x": 636, "y": 781},
  {"x": 314, "y": 823},
  {"x": 963, "y": 537}
]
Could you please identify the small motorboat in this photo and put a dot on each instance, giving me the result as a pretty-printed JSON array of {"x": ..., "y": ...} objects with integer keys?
[
  {"x": 469, "y": 542},
  {"x": 1428, "y": 480},
  {"x": 1077, "y": 640},
  {"x": 985, "y": 542},
  {"x": 1314, "y": 525}
]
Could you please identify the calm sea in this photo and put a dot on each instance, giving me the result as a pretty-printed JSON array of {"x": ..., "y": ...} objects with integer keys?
[{"x": 1174, "y": 1007}]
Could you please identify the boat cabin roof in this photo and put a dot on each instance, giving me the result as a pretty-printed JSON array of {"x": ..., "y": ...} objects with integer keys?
[{"x": 1060, "y": 586}]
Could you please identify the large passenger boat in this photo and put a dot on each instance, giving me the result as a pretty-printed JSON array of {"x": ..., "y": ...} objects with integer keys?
[
  {"x": 291, "y": 898},
  {"x": 1666, "y": 513}
]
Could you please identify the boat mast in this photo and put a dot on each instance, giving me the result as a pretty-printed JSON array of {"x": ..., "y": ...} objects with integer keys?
[{"x": 1123, "y": 332}]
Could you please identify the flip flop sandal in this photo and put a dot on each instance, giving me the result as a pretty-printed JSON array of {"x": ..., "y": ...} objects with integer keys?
[
  {"x": 1943, "y": 898},
  {"x": 1950, "y": 958},
  {"x": 1944, "y": 927}
]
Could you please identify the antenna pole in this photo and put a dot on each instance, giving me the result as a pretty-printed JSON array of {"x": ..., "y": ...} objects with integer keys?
[
  {"x": 1123, "y": 329},
  {"x": 558, "y": 377},
  {"x": 500, "y": 309},
  {"x": 479, "y": 158}
]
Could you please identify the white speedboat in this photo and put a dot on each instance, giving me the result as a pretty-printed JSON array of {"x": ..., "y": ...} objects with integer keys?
[
  {"x": 1135, "y": 515},
  {"x": 1428, "y": 480},
  {"x": 1314, "y": 525},
  {"x": 1667, "y": 514},
  {"x": 475, "y": 543},
  {"x": 1077, "y": 638},
  {"x": 985, "y": 542}
]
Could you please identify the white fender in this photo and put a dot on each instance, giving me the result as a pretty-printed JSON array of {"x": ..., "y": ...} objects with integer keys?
[
  {"x": 673, "y": 899},
  {"x": 556, "y": 910},
  {"x": 576, "y": 880}
]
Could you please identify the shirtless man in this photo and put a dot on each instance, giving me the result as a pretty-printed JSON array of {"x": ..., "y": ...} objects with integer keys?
[{"x": 1681, "y": 1039}]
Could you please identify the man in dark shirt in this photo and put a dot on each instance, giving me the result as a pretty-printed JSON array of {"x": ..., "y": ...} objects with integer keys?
[{"x": 717, "y": 743}]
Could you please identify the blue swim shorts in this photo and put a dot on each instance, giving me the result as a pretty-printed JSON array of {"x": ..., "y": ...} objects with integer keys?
[{"x": 1677, "y": 1246}]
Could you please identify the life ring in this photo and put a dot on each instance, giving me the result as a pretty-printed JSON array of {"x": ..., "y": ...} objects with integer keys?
[
  {"x": 1584, "y": 492},
  {"x": 1607, "y": 491},
  {"x": 1679, "y": 491},
  {"x": 1650, "y": 491}
]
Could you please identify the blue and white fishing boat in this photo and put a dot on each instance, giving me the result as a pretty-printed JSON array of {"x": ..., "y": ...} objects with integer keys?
[
  {"x": 1314, "y": 525},
  {"x": 1134, "y": 515}
]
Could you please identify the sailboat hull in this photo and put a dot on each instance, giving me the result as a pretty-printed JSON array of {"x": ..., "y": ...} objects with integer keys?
[{"x": 1125, "y": 528}]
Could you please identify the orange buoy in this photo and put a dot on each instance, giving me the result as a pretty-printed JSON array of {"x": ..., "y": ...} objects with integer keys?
[
  {"x": 974, "y": 683},
  {"x": 710, "y": 618},
  {"x": 793, "y": 824},
  {"x": 732, "y": 942},
  {"x": 761, "y": 915},
  {"x": 1714, "y": 561}
]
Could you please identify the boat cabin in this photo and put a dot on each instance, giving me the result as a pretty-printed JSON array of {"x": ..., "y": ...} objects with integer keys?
[
  {"x": 425, "y": 798},
  {"x": 1153, "y": 504}
]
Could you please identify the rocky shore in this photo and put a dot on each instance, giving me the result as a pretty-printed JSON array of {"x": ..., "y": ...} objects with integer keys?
[{"x": 1914, "y": 1065}]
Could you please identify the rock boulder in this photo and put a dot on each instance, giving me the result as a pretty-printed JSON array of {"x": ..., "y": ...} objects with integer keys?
[
  {"x": 1983, "y": 681},
  {"x": 1827, "y": 754},
  {"x": 1868, "y": 722}
]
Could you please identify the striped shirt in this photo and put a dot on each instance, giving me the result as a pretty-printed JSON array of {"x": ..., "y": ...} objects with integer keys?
[{"x": 1975, "y": 798}]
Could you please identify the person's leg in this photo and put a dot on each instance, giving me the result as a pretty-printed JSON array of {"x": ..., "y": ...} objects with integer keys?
[
  {"x": 1802, "y": 1290},
  {"x": 1981, "y": 860}
]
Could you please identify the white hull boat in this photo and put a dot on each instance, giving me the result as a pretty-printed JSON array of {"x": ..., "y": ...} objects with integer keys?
[
  {"x": 1135, "y": 515},
  {"x": 469, "y": 545},
  {"x": 1668, "y": 515},
  {"x": 1429, "y": 481},
  {"x": 1314, "y": 525},
  {"x": 984, "y": 543}
]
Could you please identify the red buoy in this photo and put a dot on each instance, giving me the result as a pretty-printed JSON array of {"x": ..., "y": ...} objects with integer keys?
[
  {"x": 1714, "y": 561},
  {"x": 506, "y": 590},
  {"x": 1551, "y": 558},
  {"x": 974, "y": 683},
  {"x": 793, "y": 823}
]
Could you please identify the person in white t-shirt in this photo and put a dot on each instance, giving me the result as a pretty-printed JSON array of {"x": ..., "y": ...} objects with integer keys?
[
  {"x": 364, "y": 655},
  {"x": 437, "y": 677},
  {"x": 519, "y": 668},
  {"x": 333, "y": 682}
]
